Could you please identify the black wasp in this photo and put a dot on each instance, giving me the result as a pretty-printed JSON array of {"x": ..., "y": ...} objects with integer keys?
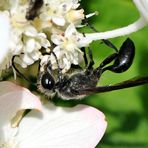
[{"x": 83, "y": 82}]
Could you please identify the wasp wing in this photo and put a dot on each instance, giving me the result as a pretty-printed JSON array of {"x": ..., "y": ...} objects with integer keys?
[{"x": 122, "y": 85}]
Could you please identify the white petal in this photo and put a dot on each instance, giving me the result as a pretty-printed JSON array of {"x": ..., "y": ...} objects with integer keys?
[
  {"x": 70, "y": 30},
  {"x": 57, "y": 39},
  {"x": 30, "y": 31},
  {"x": 91, "y": 14},
  {"x": 65, "y": 6},
  {"x": 30, "y": 45},
  {"x": 26, "y": 58},
  {"x": 19, "y": 61},
  {"x": 57, "y": 50},
  {"x": 67, "y": 64},
  {"x": 59, "y": 21},
  {"x": 75, "y": 4},
  {"x": 44, "y": 60},
  {"x": 35, "y": 55},
  {"x": 57, "y": 127},
  {"x": 14, "y": 98},
  {"x": 4, "y": 36},
  {"x": 43, "y": 41}
]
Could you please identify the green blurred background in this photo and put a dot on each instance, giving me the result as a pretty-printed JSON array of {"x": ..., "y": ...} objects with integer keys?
[{"x": 126, "y": 110}]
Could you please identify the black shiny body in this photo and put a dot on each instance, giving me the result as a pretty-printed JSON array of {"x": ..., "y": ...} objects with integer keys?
[
  {"x": 82, "y": 82},
  {"x": 122, "y": 59}
]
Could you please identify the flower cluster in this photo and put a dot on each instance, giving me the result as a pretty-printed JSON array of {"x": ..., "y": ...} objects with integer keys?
[{"x": 52, "y": 29}]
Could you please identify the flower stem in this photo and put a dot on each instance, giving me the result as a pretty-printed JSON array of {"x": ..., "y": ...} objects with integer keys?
[{"x": 139, "y": 24}]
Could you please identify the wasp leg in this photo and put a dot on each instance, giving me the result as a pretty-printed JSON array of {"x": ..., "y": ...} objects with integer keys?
[
  {"x": 49, "y": 66},
  {"x": 59, "y": 69},
  {"x": 108, "y": 60},
  {"x": 85, "y": 57},
  {"x": 91, "y": 63},
  {"x": 105, "y": 41}
]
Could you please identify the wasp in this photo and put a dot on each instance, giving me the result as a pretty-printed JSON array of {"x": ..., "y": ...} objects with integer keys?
[{"x": 83, "y": 81}]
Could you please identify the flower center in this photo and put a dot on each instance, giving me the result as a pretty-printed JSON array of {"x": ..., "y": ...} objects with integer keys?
[{"x": 68, "y": 44}]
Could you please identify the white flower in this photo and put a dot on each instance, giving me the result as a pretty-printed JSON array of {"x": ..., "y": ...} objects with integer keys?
[
  {"x": 4, "y": 37},
  {"x": 32, "y": 43},
  {"x": 24, "y": 40},
  {"x": 55, "y": 127},
  {"x": 60, "y": 11},
  {"x": 75, "y": 16},
  {"x": 68, "y": 48},
  {"x": 53, "y": 12},
  {"x": 142, "y": 6},
  {"x": 27, "y": 43}
]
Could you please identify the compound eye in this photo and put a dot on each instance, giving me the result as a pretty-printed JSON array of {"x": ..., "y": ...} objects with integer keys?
[{"x": 47, "y": 81}]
